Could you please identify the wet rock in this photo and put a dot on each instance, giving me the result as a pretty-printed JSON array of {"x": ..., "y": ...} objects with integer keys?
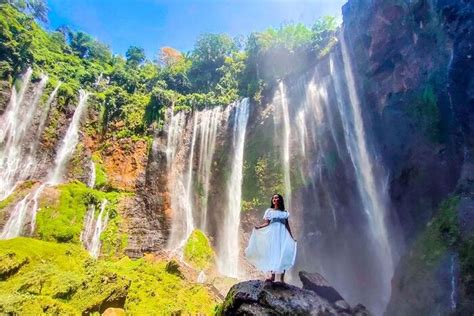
[
  {"x": 317, "y": 283},
  {"x": 316, "y": 297},
  {"x": 4, "y": 95}
]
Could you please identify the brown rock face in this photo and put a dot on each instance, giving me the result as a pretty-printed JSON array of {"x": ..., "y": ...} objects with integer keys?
[{"x": 124, "y": 162}]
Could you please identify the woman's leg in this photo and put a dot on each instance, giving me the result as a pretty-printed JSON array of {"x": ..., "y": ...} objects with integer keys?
[{"x": 271, "y": 278}]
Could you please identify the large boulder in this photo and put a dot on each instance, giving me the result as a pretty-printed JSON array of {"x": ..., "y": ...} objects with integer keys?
[{"x": 316, "y": 297}]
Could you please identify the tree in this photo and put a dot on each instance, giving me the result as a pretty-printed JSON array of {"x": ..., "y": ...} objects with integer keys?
[
  {"x": 169, "y": 56},
  {"x": 37, "y": 8},
  {"x": 135, "y": 55},
  {"x": 322, "y": 32},
  {"x": 207, "y": 57},
  {"x": 87, "y": 47}
]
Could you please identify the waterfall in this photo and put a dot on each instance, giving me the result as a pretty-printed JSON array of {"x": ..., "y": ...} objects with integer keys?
[
  {"x": 15, "y": 222},
  {"x": 190, "y": 183},
  {"x": 176, "y": 160},
  {"x": 69, "y": 141},
  {"x": 91, "y": 181},
  {"x": 452, "y": 296},
  {"x": 286, "y": 143},
  {"x": 209, "y": 123},
  {"x": 372, "y": 198},
  {"x": 29, "y": 204},
  {"x": 93, "y": 228},
  {"x": 229, "y": 248},
  {"x": 16, "y": 157}
]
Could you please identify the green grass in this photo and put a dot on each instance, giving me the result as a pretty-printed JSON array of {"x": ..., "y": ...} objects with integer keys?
[{"x": 62, "y": 279}]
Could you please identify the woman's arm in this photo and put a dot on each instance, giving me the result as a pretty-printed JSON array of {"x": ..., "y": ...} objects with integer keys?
[
  {"x": 287, "y": 225},
  {"x": 267, "y": 222}
]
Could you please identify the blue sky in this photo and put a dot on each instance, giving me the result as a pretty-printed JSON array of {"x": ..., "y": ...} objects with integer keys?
[{"x": 152, "y": 24}]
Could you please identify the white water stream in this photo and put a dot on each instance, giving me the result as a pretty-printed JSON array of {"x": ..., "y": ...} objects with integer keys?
[{"x": 228, "y": 244}]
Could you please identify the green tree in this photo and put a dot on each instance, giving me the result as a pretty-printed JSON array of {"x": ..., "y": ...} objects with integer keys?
[
  {"x": 135, "y": 55},
  {"x": 207, "y": 57},
  {"x": 37, "y": 8},
  {"x": 323, "y": 31}
]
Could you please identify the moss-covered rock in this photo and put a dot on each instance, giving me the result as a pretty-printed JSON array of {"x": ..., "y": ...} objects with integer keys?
[
  {"x": 198, "y": 251},
  {"x": 63, "y": 279},
  {"x": 418, "y": 287},
  {"x": 62, "y": 214}
]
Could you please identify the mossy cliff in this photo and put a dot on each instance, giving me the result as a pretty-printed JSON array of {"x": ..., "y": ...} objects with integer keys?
[{"x": 38, "y": 277}]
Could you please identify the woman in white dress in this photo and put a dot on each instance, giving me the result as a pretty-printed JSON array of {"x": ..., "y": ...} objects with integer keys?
[{"x": 272, "y": 248}]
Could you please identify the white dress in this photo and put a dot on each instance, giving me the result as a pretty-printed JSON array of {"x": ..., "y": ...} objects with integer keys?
[{"x": 271, "y": 248}]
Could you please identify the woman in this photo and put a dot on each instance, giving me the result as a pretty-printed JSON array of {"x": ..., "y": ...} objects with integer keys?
[{"x": 272, "y": 248}]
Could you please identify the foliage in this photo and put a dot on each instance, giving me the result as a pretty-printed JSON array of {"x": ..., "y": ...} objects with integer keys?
[
  {"x": 37, "y": 8},
  {"x": 62, "y": 219},
  {"x": 426, "y": 114},
  {"x": 136, "y": 92},
  {"x": 52, "y": 278},
  {"x": 135, "y": 55},
  {"x": 209, "y": 54},
  {"x": 198, "y": 251}
]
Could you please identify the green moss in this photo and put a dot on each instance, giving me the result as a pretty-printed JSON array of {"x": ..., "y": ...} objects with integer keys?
[
  {"x": 62, "y": 220},
  {"x": 62, "y": 279},
  {"x": 198, "y": 251},
  {"x": 113, "y": 239},
  {"x": 441, "y": 233},
  {"x": 425, "y": 112}
]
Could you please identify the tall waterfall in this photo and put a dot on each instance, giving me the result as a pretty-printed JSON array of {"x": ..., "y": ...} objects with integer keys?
[
  {"x": 69, "y": 142},
  {"x": 16, "y": 133},
  {"x": 209, "y": 123},
  {"x": 373, "y": 197},
  {"x": 189, "y": 180},
  {"x": 26, "y": 209},
  {"x": 286, "y": 143},
  {"x": 339, "y": 203},
  {"x": 93, "y": 228},
  {"x": 182, "y": 223},
  {"x": 228, "y": 244}
]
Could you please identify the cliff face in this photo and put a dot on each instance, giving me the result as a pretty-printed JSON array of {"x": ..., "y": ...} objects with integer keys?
[{"x": 415, "y": 64}]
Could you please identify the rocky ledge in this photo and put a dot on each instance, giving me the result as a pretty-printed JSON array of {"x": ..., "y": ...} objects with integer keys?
[{"x": 316, "y": 297}]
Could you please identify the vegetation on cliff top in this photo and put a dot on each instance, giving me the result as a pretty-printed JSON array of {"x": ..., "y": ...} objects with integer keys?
[
  {"x": 137, "y": 91},
  {"x": 38, "y": 277}
]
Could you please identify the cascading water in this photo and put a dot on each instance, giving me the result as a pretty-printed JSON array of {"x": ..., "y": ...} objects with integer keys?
[
  {"x": 286, "y": 143},
  {"x": 339, "y": 202},
  {"x": 93, "y": 228},
  {"x": 69, "y": 142},
  {"x": 28, "y": 206},
  {"x": 16, "y": 158},
  {"x": 209, "y": 123},
  {"x": 228, "y": 244},
  {"x": 189, "y": 184},
  {"x": 91, "y": 181},
  {"x": 373, "y": 198}
]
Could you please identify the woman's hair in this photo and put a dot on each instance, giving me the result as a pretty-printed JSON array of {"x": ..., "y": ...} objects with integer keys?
[{"x": 282, "y": 202}]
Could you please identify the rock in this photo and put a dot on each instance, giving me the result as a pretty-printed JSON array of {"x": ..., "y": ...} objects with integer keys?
[
  {"x": 263, "y": 298},
  {"x": 318, "y": 284},
  {"x": 114, "y": 312}
]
